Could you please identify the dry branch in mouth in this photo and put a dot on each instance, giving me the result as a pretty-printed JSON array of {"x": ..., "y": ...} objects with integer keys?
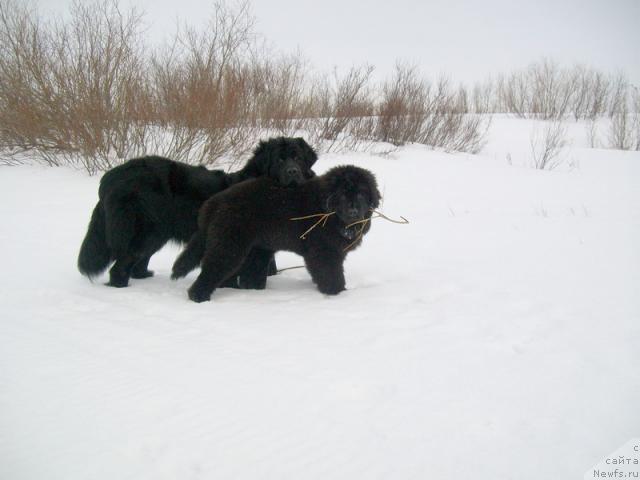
[
  {"x": 323, "y": 217},
  {"x": 364, "y": 221},
  {"x": 381, "y": 215}
]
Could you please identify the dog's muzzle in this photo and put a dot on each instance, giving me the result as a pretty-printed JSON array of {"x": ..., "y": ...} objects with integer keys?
[{"x": 291, "y": 174}]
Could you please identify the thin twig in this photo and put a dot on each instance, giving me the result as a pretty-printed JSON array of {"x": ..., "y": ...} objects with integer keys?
[
  {"x": 323, "y": 219},
  {"x": 325, "y": 216},
  {"x": 381, "y": 215},
  {"x": 290, "y": 268},
  {"x": 359, "y": 235},
  {"x": 404, "y": 221}
]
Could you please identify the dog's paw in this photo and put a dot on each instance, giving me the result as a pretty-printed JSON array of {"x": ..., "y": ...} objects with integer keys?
[{"x": 198, "y": 295}]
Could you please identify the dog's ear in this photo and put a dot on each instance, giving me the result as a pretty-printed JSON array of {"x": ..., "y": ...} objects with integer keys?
[
  {"x": 374, "y": 201},
  {"x": 330, "y": 203},
  {"x": 258, "y": 164},
  {"x": 310, "y": 155},
  {"x": 263, "y": 157}
]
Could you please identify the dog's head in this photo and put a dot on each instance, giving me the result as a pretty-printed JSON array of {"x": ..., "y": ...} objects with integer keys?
[
  {"x": 287, "y": 160},
  {"x": 353, "y": 194}
]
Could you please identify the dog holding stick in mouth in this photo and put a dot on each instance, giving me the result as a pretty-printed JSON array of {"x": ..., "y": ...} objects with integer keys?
[{"x": 260, "y": 217}]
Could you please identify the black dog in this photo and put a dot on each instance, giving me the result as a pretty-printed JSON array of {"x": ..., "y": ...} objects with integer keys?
[
  {"x": 148, "y": 201},
  {"x": 223, "y": 243}
]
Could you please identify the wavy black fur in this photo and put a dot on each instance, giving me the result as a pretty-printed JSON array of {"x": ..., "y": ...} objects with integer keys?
[
  {"x": 223, "y": 244},
  {"x": 150, "y": 200}
]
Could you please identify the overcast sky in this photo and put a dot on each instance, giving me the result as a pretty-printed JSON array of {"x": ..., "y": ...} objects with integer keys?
[{"x": 466, "y": 39}]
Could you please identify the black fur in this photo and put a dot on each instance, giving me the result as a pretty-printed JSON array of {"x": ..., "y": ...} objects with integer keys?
[
  {"x": 223, "y": 243},
  {"x": 150, "y": 200}
]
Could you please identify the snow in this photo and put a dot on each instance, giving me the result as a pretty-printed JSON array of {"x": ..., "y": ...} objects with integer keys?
[{"x": 495, "y": 336}]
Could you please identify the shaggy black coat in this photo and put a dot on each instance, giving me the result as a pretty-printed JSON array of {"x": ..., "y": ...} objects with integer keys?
[
  {"x": 223, "y": 243},
  {"x": 150, "y": 200}
]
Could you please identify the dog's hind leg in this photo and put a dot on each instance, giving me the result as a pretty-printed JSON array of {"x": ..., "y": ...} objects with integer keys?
[
  {"x": 272, "y": 268},
  {"x": 152, "y": 244},
  {"x": 252, "y": 275},
  {"x": 133, "y": 238},
  {"x": 141, "y": 268},
  {"x": 190, "y": 257},
  {"x": 254, "y": 271},
  {"x": 222, "y": 259},
  {"x": 121, "y": 271}
]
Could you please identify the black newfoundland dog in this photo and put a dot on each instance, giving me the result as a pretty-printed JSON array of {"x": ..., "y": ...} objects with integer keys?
[
  {"x": 150, "y": 200},
  {"x": 254, "y": 219}
]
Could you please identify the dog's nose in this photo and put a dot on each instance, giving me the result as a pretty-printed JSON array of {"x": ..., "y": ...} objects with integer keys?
[
  {"x": 353, "y": 212},
  {"x": 293, "y": 172}
]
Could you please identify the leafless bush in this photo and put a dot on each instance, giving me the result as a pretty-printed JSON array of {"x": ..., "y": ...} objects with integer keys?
[
  {"x": 618, "y": 98},
  {"x": 483, "y": 97},
  {"x": 547, "y": 91},
  {"x": 402, "y": 109},
  {"x": 202, "y": 88},
  {"x": 624, "y": 129},
  {"x": 590, "y": 92},
  {"x": 413, "y": 110},
  {"x": 514, "y": 94},
  {"x": 635, "y": 102},
  {"x": 345, "y": 112},
  {"x": 88, "y": 92},
  {"x": 547, "y": 144},
  {"x": 592, "y": 132},
  {"x": 541, "y": 91},
  {"x": 551, "y": 90},
  {"x": 75, "y": 89},
  {"x": 282, "y": 96}
]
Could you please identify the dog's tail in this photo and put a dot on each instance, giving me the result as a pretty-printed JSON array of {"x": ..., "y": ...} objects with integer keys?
[
  {"x": 191, "y": 256},
  {"x": 94, "y": 254}
]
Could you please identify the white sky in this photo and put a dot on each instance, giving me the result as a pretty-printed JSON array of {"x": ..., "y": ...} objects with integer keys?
[{"x": 466, "y": 39}]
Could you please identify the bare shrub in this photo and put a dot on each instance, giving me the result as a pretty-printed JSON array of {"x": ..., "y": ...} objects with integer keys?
[
  {"x": 483, "y": 97},
  {"x": 74, "y": 89},
  {"x": 201, "y": 88},
  {"x": 618, "y": 97},
  {"x": 598, "y": 95},
  {"x": 591, "y": 90},
  {"x": 591, "y": 128},
  {"x": 547, "y": 91},
  {"x": 413, "y": 110},
  {"x": 635, "y": 102},
  {"x": 89, "y": 92},
  {"x": 281, "y": 94},
  {"x": 543, "y": 90},
  {"x": 402, "y": 108},
  {"x": 624, "y": 129},
  {"x": 547, "y": 144},
  {"x": 345, "y": 112},
  {"x": 514, "y": 94},
  {"x": 551, "y": 90}
]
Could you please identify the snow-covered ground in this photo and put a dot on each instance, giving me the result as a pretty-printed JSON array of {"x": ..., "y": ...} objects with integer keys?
[{"x": 496, "y": 336}]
